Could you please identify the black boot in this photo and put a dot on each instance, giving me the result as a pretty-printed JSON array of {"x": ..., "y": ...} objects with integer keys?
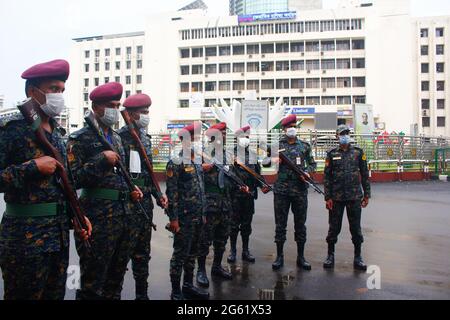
[
  {"x": 246, "y": 255},
  {"x": 301, "y": 261},
  {"x": 192, "y": 292},
  {"x": 202, "y": 278},
  {"x": 232, "y": 257},
  {"x": 176, "y": 290},
  {"x": 329, "y": 261},
  {"x": 142, "y": 290},
  {"x": 217, "y": 269},
  {"x": 358, "y": 263},
  {"x": 279, "y": 261}
]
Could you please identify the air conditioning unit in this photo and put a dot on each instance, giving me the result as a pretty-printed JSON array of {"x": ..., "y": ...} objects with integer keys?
[
  {"x": 263, "y": 56},
  {"x": 425, "y": 113},
  {"x": 263, "y": 73},
  {"x": 321, "y": 53},
  {"x": 324, "y": 90},
  {"x": 324, "y": 71},
  {"x": 206, "y": 76},
  {"x": 206, "y": 58},
  {"x": 303, "y": 54},
  {"x": 250, "y": 56},
  {"x": 308, "y": 71},
  {"x": 239, "y": 92},
  {"x": 257, "y": 91},
  {"x": 300, "y": 90},
  {"x": 242, "y": 74}
]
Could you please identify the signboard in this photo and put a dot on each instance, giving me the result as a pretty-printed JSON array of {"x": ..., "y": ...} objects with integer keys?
[
  {"x": 255, "y": 113},
  {"x": 207, "y": 114},
  {"x": 289, "y": 15},
  {"x": 363, "y": 119},
  {"x": 196, "y": 100},
  {"x": 301, "y": 111},
  {"x": 172, "y": 126}
]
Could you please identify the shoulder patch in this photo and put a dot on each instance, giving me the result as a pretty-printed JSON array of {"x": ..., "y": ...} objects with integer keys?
[
  {"x": 364, "y": 157},
  {"x": 6, "y": 120}
]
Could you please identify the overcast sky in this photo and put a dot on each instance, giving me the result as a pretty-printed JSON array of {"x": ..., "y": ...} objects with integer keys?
[{"x": 36, "y": 31}]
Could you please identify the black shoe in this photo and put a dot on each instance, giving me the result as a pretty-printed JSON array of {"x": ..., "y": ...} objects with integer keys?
[
  {"x": 176, "y": 296},
  {"x": 358, "y": 264},
  {"x": 329, "y": 262},
  {"x": 192, "y": 292},
  {"x": 202, "y": 279},
  {"x": 278, "y": 263},
  {"x": 232, "y": 257},
  {"x": 219, "y": 271},
  {"x": 302, "y": 263},
  {"x": 247, "y": 256}
]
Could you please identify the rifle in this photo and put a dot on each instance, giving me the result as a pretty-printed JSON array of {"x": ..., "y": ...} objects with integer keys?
[
  {"x": 134, "y": 134},
  {"x": 27, "y": 109},
  {"x": 259, "y": 178},
  {"x": 300, "y": 173},
  {"x": 93, "y": 125}
]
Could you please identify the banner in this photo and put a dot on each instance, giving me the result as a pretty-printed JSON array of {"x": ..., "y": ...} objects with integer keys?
[{"x": 363, "y": 119}]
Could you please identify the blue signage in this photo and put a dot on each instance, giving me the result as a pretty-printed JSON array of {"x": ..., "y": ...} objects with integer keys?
[
  {"x": 301, "y": 111},
  {"x": 172, "y": 126},
  {"x": 290, "y": 15}
]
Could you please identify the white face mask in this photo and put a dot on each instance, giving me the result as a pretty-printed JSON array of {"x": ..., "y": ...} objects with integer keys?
[
  {"x": 54, "y": 104},
  {"x": 291, "y": 132},
  {"x": 244, "y": 142},
  {"x": 143, "y": 121},
  {"x": 111, "y": 117}
]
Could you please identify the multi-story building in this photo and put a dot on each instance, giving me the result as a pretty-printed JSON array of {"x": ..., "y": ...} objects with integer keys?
[
  {"x": 432, "y": 88},
  {"x": 6, "y": 112},
  {"x": 242, "y": 7},
  {"x": 2, "y": 101}
]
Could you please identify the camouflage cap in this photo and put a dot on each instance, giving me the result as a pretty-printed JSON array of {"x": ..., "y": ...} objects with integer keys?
[{"x": 342, "y": 128}]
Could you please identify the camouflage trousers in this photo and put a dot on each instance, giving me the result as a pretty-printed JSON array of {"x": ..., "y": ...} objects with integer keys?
[
  {"x": 185, "y": 247},
  {"x": 140, "y": 256},
  {"x": 113, "y": 240},
  {"x": 242, "y": 216},
  {"x": 215, "y": 232},
  {"x": 299, "y": 205},
  {"x": 35, "y": 277},
  {"x": 354, "y": 220}
]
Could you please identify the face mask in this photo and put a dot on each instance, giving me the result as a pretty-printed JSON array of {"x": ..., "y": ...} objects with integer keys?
[
  {"x": 244, "y": 142},
  {"x": 54, "y": 104},
  {"x": 291, "y": 132},
  {"x": 143, "y": 121},
  {"x": 344, "y": 139},
  {"x": 111, "y": 117}
]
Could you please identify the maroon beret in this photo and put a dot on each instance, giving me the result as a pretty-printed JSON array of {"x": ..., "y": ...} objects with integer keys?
[
  {"x": 56, "y": 69},
  {"x": 137, "y": 101},
  {"x": 195, "y": 127},
  {"x": 220, "y": 126},
  {"x": 243, "y": 130},
  {"x": 289, "y": 120},
  {"x": 111, "y": 91}
]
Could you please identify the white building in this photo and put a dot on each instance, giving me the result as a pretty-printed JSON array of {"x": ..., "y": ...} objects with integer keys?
[
  {"x": 318, "y": 59},
  {"x": 2, "y": 101},
  {"x": 6, "y": 112}
]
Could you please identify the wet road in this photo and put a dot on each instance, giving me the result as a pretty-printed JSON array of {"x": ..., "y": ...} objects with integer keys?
[{"x": 407, "y": 235}]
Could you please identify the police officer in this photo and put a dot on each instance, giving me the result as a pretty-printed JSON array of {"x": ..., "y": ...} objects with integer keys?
[
  {"x": 34, "y": 233},
  {"x": 186, "y": 193},
  {"x": 291, "y": 192},
  {"x": 138, "y": 108},
  {"x": 345, "y": 171},
  {"x": 105, "y": 198}
]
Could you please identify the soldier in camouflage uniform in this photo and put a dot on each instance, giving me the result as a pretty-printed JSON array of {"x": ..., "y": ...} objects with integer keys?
[
  {"x": 34, "y": 233},
  {"x": 291, "y": 192},
  {"x": 186, "y": 193},
  {"x": 105, "y": 198},
  {"x": 345, "y": 171},
  {"x": 138, "y": 109},
  {"x": 218, "y": 209}
]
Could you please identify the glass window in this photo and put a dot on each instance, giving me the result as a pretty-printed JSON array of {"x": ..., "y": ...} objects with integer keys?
[
  {"x": 253, "y": 67},
  {"x": 128, "y": 50},
  {"x": 313, "y": 83},
  {"x": 140, "y": 49},
  {"x": 184, "y": 87},
  {"x": 224, "y": 85},
  {"x": 238, "y": 50},
  {"x": 117, "y": 51},
  {"x": 440, "y": 104},
  {"x": 267, "y": 48},
  {"x": 252, "y": 49},
  {"x": 128, "y": 79},
  {"x": 139, "y": 79},
  {"x": 238, "y": 85},
  {"x": 86, "y": 82},
  {"x": 297, "y": 47},
  {"x": 425, "y": 85},
  {"x": 197, "y": 87},
  {"x": 344, "y": 100},
  {"x": 440, "y": 67},
  {"x": 238, "y": 67},
  {"x": 184, "y": 103},
  {"x": 282, "y": 47},
  {"x": 184, "y": 70},
  {"x": 211, "y": 51},
  {"x": 139, "y": 64},
  {"x": 210, "y": 86},
  {"x": 282, "y": 66},
  {"x": 184, "y": 53},
  {"x": 328, "y": 45},
  {"x": 197, "y": 52},
  {"x": 211, "y": 68},
  {"x": 252, "y": 84},
  {"x": 426, "y": 122},
  {"x": 440, "y": 85},
  {"x": 297, "y": 65},
  {"x": 425, "y": 104},
  {"x": 297, "y": 83},
  {"x": 87, "y": 54},
  {"x": 359, "y": 82},
  {"x": 225, "y": 51},
  {"x": 424, "y": 50},
  {"x": 359, "y": 63},
  {"x": 197, "y": 69},
  {"x": 343, "y": 64},
  {"x": 328, "y": 83},
  {"x": 424, "y": 33},
  {"x": 312, "y": 65},
  {"x": 441, "y": 121},
  {"x": 343, "y": 82},
  {"x": 97, "y": 67},
  {"x": 342, "y": 45},
  {"x": 439, "y": 49},
  {"x": 224, "y": 68},
  {"x": 282, "y": 83},
  {"x": 358, "y": 44},
  {"x": 312, "y": 46},
  {"x": 267, "y": 66},
  {"x": 107, "y": 52},
  {"x": 424, "y": 68},
  {"x": 328, "y": 64},
  {"x": 439, "y": 32},
  {"x": 267, "y": 85}
]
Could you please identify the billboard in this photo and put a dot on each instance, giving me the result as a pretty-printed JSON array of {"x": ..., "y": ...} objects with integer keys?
[
  {"x": 289, "y": 15},
  {"x": 363, "y": 119},
  {"x": 255, "y": 113}
]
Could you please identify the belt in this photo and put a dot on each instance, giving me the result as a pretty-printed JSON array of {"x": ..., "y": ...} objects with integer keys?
[
  {"x": 35, "y": 210},
  {"x": 214, "y": 189},
  {"x": 105, "y": 194}
]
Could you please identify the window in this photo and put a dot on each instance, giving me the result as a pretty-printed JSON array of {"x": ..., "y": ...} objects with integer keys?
[
  {"x": 96, "y": 82},
  {"x": 252, "y": 49},
  {"x": 328, "y": 101},
  {"x": 197, "y": 69},
  {"x": 328, "y": 64},
  {"x": 106, "y": 79},
  {"x": 197, "y": 52},
  {"x": 184, "y": 70},
  {"x": 343, "y": 64},
  {"x": 128, "y": 79},
  {"x": 184, "y": 87},
  {"x": 298, "y": 101},
  {"x": 342, "y": 45},
  {"x": 140, "y": 49},
  {"x": 297, "y": 83},
  {"x": 440, "y": 104},
  {"x": 359, "y": 99},
  {"x": 439, "y": 49},
  {"x": 107, "y": 66},
  {"x": 107, "y": 52},
  {"x": 225, "y": 51},
  {"x": 328, "y": 46},
  {"x": 211, "y": 68},
  {"x": 441, "y": 122},
  {"x": 426, "y": 122},
  {"x": 312, "y": 65},
  {"x": 267, "y": 66},
  {"x": 238, "y": 50},
  {"x": 328, "y": 83},
  {"x": 97, "y": 53},
  {"x": 184, "y": 103},
  {"x": 210, "y": 102},
  {"x": 358, "y": 44},
  {"x": 282, "y": 66},
  {"x": 267, "y": 48},
  {"x": 128, "y": 50},
  {"x": 253, "y": 85},
  {"x": 343, "y": 82},
  {"x": 117, "y": 51},
  {"x": 312, "y": 46},
  {"x": 424, "y": 68},
  {"x": 127, "y": 93},
  {"x": 117, "y": 65},
  {"x": 359, "y": 63},
  {"x": 297, "y": 47},
  {"x": 86, "y": 82},
  {"x": 128, "y": 65},
  {"x": 86, "y": 68},
  {"x": 238, "y": 85},
  {"x": 424, "y": 50},
  {"x": 139, "y": 64},
  {"x": 117, "y": 79},
  {"x": 253, "y": 67},
  {"x": 267, "y": 84},
  {"x": 86, "y": 97},
  {"x": 297, "y": 65},
  {"x": 425, "y": 104},
  {"x": 197, "y": 87},
  {"x": 87, "y": 54},
  {"x": 139, "y": 79},
  {"x": 313, "y": 83},
  {"x": 224, "y": 68},
  {"x": 138, "y": 91},
  {"x": 211, "y": 52},
  {"x": 283, "y": 84},
  {"x": 439, "y": 32},
  {"x": 210, "y": 86},
  {"x": 345, "y": 100},
  {"x": 238, "y": 67},
  {"x": 312, "y": 101},
  {"x": 224, "y": 86},
  {"x": 425, "y": 86},
  {"x": 97, "y": 67},
  {"x": 440, "y": 85},
  {"x": 184, "y": 53},
  {"x": 440, "y": 67},
  {"x": 282, "y": 47},
  {"x": 424, "y": 33}
]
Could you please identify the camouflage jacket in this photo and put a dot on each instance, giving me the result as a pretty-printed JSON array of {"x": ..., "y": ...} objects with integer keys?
[
  {"x": 22, "y": 184},
  {"x": 185, "y": 189},
  {"x": 90, "y": 170},
  {"x": 246, "y": 177},
  {"x": 345, "y": 172},
  {"x": 129, "y": 145},
  {"x": 288, "y": 183}
]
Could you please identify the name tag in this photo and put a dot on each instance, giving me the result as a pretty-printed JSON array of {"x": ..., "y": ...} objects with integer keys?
[
  {"x": 299, "y": 161},
  {"x": 337, "y": 158},
  {"x": 135, "y": 162}
]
